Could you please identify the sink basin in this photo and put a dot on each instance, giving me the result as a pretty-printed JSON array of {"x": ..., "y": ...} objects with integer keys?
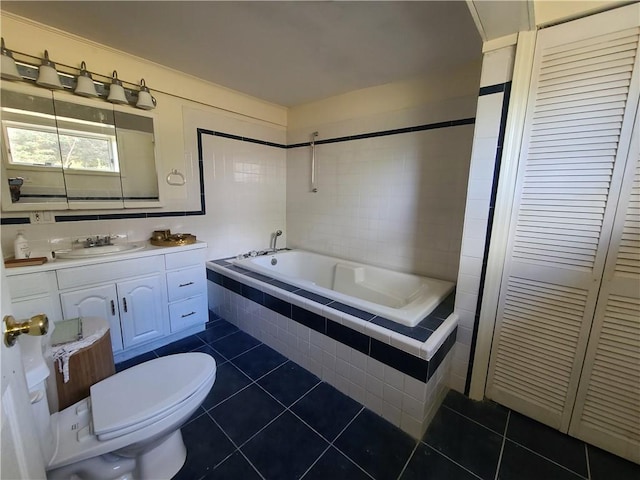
[{"x": 100, "y": 251}]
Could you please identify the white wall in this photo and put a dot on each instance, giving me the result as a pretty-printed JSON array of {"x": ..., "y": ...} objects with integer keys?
[{"x": 396, "y": 200}]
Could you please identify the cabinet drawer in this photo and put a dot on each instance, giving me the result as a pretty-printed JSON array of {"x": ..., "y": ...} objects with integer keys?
[
  {"x": 189, "y": 312},
  {"x": 186, "y": 283},
  {"x": 108, "y": 272},
  {"x": 184, "y": 259},
  {"x": 30, "y": 284}
]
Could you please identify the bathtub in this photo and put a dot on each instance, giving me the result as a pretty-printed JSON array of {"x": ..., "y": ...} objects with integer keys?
[{"x": 400, "y": 297}]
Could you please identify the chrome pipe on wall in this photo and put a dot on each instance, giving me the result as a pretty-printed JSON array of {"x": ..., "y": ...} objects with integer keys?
[{"x": 314, "y": 189}]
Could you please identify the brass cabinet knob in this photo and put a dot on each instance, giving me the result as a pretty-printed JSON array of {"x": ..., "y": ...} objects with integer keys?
[{"x": 36, "y": 325}]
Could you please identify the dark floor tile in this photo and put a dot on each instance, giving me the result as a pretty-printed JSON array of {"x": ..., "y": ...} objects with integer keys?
[
  {"x": 235, "y": 344},
  {"x": 217, "y": 331},
  {"x": 465, "y": 442},
  {"x": 288, "y": 382},
  {"x": 258, "y": 361},
  {"x": 376, "y": 445},
  {"x": 199, "y": 411},
  {"x": 285, "y": 449},
  {"x": 335, "y": 466},
  {"x": 428, "y": 463},
  {"x": 488, "y": 413},
  {"x": 518, "y": 463},
  {"x": 229, "y": 380},
  {"x": 606, "y": 466},
  {"x": 550, "y": 443},
  {"x": 327, "y": 410},
  {"x": 183, "y": 345},
  {"x": 206, "y": 446},
  {"x": 235, "y": 467},
  {"x": 213, "y": 318},
  {"x": 214, "y": 353},
  {"x": 145, "y": 357},
  {"x": 244, "y": 414}
]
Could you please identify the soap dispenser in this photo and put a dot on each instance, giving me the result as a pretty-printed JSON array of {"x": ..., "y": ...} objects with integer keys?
[{"x": 21, "y": 246}]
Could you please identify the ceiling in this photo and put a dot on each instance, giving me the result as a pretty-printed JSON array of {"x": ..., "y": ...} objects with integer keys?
[{"x": 287, "y": 53}]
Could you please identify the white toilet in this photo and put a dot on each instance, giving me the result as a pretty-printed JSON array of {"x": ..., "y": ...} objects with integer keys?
[{"x": 129, "y": 426}]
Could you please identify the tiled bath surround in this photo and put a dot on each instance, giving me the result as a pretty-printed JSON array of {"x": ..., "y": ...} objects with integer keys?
[{"x": 384, "y": 369}]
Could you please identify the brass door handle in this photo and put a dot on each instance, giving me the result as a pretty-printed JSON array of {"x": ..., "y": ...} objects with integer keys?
[{"x": 36, "y": 325}]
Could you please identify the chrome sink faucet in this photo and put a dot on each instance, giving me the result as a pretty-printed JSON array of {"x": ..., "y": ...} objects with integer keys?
[{"x": 98, "y": 241}]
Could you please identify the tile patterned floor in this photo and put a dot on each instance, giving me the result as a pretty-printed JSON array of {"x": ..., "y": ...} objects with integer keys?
[{"x": 267, "y": 418}]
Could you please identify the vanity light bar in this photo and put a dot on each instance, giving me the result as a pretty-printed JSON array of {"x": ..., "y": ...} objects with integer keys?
[{"x": 29, "y": 72}]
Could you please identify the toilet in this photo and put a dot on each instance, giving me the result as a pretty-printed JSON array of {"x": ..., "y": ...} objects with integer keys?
[{"x": 129, "y": 426}]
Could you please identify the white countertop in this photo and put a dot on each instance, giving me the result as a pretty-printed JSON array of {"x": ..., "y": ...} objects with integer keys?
[{"x": 60, "y": 263}]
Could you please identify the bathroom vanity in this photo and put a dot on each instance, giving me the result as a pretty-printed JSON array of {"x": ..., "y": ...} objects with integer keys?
[{"x": 151, "y": 296}]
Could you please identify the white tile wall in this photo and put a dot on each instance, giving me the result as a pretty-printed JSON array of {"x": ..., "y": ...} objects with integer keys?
[
  {"x": 497, "y": 68},
  {"x": 397, "y": 397},
  {"x": 395, "y": 201}
]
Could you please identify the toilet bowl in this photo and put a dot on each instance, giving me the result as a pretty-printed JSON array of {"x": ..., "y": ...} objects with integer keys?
[{"x": 129, "y": 426}]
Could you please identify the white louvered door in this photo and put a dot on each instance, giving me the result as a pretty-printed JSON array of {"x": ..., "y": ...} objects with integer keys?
[
  {"x": 580, "y": 113},
  {"x": 607, "y": 410}
]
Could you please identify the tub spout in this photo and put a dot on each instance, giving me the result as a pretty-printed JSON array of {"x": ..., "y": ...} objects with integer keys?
[{"x": 275, "y": 236}]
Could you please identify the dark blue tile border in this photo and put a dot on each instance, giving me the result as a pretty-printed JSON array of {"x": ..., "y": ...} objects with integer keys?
[
  {"x": 399, "y": 359},
  {"x": 490, "y": 89},
  {"x": 202, "y": 131}
]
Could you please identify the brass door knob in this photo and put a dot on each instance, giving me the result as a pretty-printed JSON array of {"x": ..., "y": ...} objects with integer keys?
[{"x": 36, "y": 325}]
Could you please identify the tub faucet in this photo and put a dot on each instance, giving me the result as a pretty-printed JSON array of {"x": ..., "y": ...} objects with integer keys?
[{"x": 275, "y": 240}]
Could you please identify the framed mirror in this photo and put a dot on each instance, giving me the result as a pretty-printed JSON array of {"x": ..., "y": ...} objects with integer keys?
[{"x": 60, "y": 151}]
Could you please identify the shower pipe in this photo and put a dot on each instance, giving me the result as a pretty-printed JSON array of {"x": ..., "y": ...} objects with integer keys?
[{"x": 314, "y": 189}]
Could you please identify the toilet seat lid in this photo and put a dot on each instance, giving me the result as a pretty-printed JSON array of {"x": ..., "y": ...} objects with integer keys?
[{"x": 147, "y": 390}]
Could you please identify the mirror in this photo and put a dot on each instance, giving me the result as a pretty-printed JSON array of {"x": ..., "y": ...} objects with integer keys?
[
  {"x": 136, "y": 149},
  {"x": 64, "y": 152},
  {"x": 31, "y": 160},
  {"x": 89, "y": 153}
]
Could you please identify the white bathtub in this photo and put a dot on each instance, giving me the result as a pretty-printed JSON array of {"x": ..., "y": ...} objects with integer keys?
[{"x": 400, "y": 297}]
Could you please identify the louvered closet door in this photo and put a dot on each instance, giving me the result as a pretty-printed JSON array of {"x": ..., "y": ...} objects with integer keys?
[
  {"x": 576, "y": 137},
  {"x": 607, "y": 410}
]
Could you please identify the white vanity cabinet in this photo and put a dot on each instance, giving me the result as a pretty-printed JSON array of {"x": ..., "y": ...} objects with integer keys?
[
  {"x": 35, "y": 293},
  {"x": 150, "y": 297},
  {"x": 129, "y": 293},
  {"x": 134, "y": 309},
  {"x": 186, "y": 289},
  {"x": 95, "y": 302}
]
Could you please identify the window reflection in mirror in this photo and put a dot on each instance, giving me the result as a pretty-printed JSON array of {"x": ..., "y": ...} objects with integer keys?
[
  {"x": 89, "y": 153},
  {"x": 31, "y": 158}
]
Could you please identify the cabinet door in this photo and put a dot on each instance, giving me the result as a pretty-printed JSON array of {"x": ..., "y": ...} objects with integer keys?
[
  {"x": 607, "y": 411},
  {"x": 142, "y": 310},
  {"x": 580, "y": 113},
  {"x": 95, "y": 302}
]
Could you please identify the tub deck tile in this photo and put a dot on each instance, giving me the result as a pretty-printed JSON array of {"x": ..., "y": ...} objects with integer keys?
[
  {"x": 356, "y": 312},
  {"x": 313, "y": 296},
  {"x": 284, "y": 286},
  {"x": 417, "y": 333}
]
